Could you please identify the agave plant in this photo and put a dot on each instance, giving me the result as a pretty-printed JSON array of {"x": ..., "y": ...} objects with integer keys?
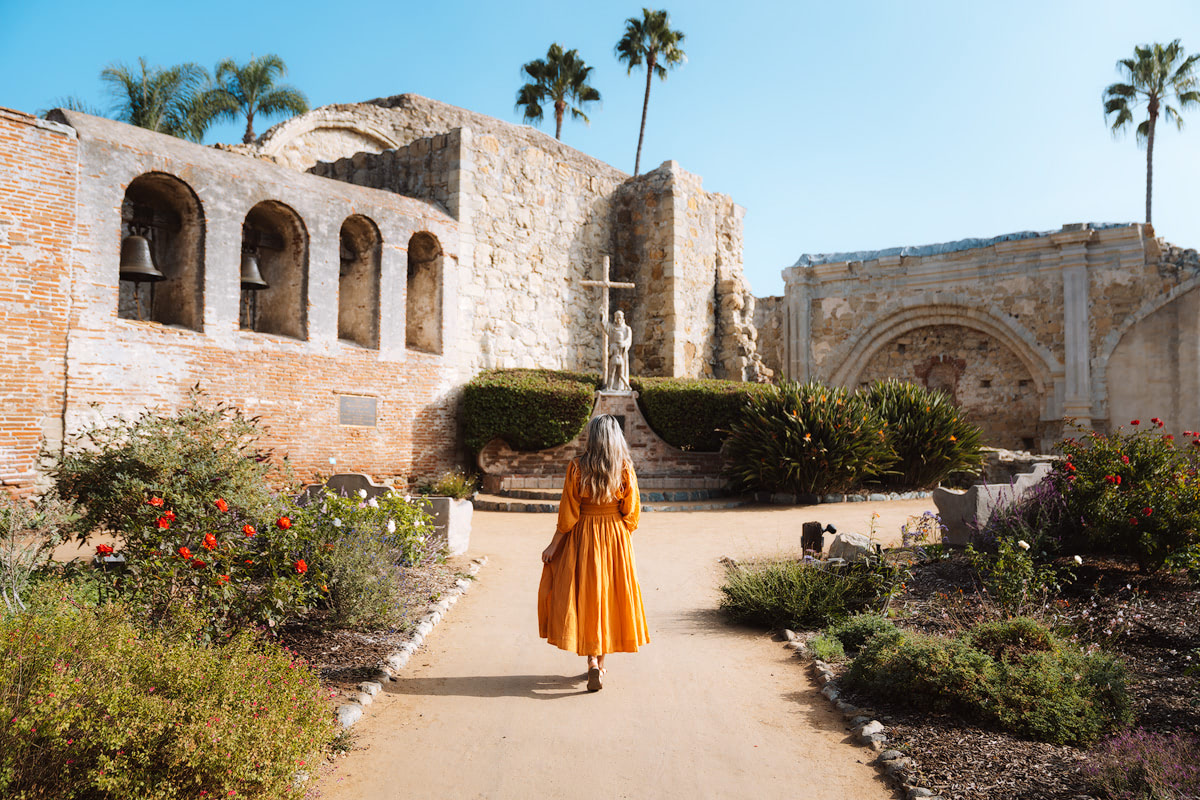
[{"x": 929, "y": 434}]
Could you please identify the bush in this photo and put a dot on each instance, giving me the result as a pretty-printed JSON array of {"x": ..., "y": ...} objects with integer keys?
[
  {"x": 827, "y": 648},
  {"x": 92, "y": 707},
  {"x": 930, "y": 436},
  {"x": 1132, "y": 494},
  {"x": 1142, "y": 765},
  {"x": 805, "y": 438},
  {"x": 190, "y": 457},
  {"x": 453, "y": 483},
  {"x": 692, "y": 414},
  {"x": 29, "y": 532},
  {"x": 531, "y": 409},
  {"x": 1038, "y": 686},
  {"x": 362, "y": 546},
  {"x": 856, "y": 631},
  {"x": 792, "y": 594},
  {"x": 1013, "y": 579}
]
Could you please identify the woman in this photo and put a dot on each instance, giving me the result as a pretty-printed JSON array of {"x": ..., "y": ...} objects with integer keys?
[{"x": 589, "y": 600}]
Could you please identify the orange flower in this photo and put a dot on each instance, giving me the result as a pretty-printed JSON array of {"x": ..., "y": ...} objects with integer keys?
[
  {"x": 210, "y": 542},
  {"x": 221, "y": 504},
  {"x": 170, "y": 515},
  {"x": 104, "y": 549},
  {"x": 164, "y": 523},
  {"x": 283, "y": 523},
  {"x": 248, "y": 529},
  {"x": 185, "y": 553},
  {"x": 222, "y": 579},
  {"x": 155, "y": 501},
  {"x": 198, "y": 564},
  {"x": 301, "y": 567}
]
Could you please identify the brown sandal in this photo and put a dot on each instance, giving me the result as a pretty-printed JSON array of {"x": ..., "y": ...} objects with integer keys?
[{"x": 594, "y": 684}]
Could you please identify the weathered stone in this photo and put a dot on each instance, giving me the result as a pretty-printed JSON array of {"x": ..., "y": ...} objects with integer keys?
[
  {"x": 852, "y": 547},
  {"x": 349, "y": 714}
]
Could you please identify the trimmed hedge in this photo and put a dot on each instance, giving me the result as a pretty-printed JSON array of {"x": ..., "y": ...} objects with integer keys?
[
  {"x": 693, "y": 414},
  {"x": 531, "y": 409}
]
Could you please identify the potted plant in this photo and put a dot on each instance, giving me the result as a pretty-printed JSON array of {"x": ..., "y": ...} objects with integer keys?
[{"x": 447, "y": 500}]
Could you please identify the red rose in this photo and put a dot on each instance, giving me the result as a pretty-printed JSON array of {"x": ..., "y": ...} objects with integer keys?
[
  {"x": 1157, "y": 421},
  {"x": 1118, "y": 481},
  {"x": 155, "y": 501},
  {"x": 248, "y": 529},
  {"x": 198, "y": 564},
  {"x": 222, "y": 579},
  {"x": 1133, "y": 520},
  {"x": 164, "y": 523},
  {"x": 1135, "y": 422},
  {"x": 221, "y": 504},
  {"x": 185, "y": 553},
  {"x": 283, "y": 523},
  {"x": 1169, "y": 438},
  {"x": 1124, "y": 459},
  {"x": 210, "y": 542},
  {"x": 104, "y": 549},
  {"x": 1147, "y": 511},
  {"x": 301, "y": 567}
]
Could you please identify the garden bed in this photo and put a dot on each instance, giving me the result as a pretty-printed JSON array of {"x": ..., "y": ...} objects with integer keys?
[{"x": 1150, "y": 621}]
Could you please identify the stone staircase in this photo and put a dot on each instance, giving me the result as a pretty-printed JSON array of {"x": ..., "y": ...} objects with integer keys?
[{"x": 540, "y": 494}]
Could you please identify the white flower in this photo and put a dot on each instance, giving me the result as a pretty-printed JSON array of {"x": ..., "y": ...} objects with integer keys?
[
  {"x": 391, "y": 526},
  {"x": 362, "y": 493},
  {"x": 1021, "y": 543},
  {"x": 337, "y": 523},
  {"x": 408, "y": 498},
  {"x": 373, "y": 503},
  {"x": 1078, "y": 559}
]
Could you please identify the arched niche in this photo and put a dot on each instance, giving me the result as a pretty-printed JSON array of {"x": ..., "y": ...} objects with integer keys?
[
  {"x": 978, "y": 372},
  {"x": 423, "y": 328},
  {"x": 358, "y": 282},
  {"x": 275, "y": 236},
  {"x": 166, "y": 211}
]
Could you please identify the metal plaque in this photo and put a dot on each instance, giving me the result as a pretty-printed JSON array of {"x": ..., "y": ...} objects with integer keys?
[{"x": 356, "y": 410}]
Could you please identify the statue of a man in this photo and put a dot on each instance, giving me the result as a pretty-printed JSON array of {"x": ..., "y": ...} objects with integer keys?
[{"x": 620, "y": 337}]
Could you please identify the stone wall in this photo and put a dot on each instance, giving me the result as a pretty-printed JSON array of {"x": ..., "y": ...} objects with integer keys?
[
  {"x": 1046, "y": 308},
  {"x": 769, "y": 329},
  {"x": 304, "y": 386},
  {"x": 38, "y": 173}
]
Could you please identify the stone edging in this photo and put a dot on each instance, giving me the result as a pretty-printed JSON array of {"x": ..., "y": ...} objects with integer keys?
[
  {"x": 351, "y": 712},
  {"x": 789, "y": 499},
  {"x": 869, "y": 732}
]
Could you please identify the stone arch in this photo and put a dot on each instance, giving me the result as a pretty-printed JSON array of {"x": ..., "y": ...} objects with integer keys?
[
  {"x": 423, "y": 309},
  {"x": 325, "y": 134},
  {"x": 168, "y": 213},
  {"x": 360, "y": 247},
  {"x": 276, "y": 236}
]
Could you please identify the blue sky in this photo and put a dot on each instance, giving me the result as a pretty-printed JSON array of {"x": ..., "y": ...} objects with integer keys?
[{"x": 838, "y": 126}]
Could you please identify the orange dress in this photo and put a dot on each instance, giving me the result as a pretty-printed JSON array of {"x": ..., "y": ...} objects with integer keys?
[{"x": 589, "y": 600}]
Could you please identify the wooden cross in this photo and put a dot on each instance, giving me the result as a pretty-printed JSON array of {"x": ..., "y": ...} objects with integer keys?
[{"x": 605, "y": 283}]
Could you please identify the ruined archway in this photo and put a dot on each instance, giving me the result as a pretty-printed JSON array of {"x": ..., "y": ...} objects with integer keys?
[{"x": 423, "y": 312}]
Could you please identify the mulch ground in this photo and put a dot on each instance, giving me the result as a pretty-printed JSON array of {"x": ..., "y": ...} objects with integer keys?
[{"x": 1149, "y": 621}]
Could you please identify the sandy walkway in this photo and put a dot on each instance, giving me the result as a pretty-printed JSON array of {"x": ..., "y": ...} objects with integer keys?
[{"x": 704, "y": 711}]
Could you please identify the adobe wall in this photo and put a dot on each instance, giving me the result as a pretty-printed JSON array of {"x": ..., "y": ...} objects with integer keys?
[
  {"x": 38, "y": 171},
  {"x": 1047, "y": 309},
  {"x": 295, "y": 383}
]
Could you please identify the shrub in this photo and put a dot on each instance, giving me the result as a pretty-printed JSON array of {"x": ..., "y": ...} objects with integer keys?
[
  {"x": 1013, "y": 579},
  {"x": 362, "y": 546},
  {"x": 453, "y": 483},
  {"x": 531, "y": 409},
  {"x": 1023, "y": 679},
  {"x": 1131, "y": 494},
  {"x": 29, "y": 532},
  {"x": 692, "y": 414},
  {"x": 856, "y": 631},
  {"x": 1142, "y": 765},
  {"x": 93, "y": 707},
  {"x": 805, "y": 438},
  {"x": 827, "y": 648},
  {"x": 1036, "y": 518},
  {"x": 190, "y": 457},
  {"x": 930, "y": 436},
  {"x": 792, "y": 594}
]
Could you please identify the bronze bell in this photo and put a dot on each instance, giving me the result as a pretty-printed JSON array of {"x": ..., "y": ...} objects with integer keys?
[
  {"x": 136, "y": 261},
  {"x": 252, "y": 279}
]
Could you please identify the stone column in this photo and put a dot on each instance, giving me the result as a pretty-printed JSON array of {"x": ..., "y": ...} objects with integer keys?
[
  {"x": 796, "y": 324},
  {"x": 1077, "y": 402}
]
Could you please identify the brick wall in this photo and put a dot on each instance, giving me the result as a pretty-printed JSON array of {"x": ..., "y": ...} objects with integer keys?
[{"x": 37, "y": 229}]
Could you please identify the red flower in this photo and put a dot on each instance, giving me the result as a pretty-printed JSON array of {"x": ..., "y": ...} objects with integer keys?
[
  {"x": 169, "y": 515},
  {"x": 198, "y": 564},
  {"x": 222, "y": 579},
  {"x": 248, "y": 529},
  {"x": 1135, "y": 422},
  {"x": 104, "y": 549},
  {"x": 1124, "y": 459},
  {"x": 1169, "y": 438},
  {"x": 283, "y": 523},
  {"x": 155, "y": 501},
  {"x": 164, "y": 523},
  {"x": 185, "y": 553},
  {"x": 1157, "y": 421},
  {"x": 1147, "y": 511},
  {"x": 221, "y": 504},
  {"x": 1133, "y": 520},
  {"x": 1118, "y": 481},
  {"x": 248, "y": 561},
  {"x": 1070, "y": 466},
  {"x": 301, "y": 567},
  {"x": 210, "y": 542}
]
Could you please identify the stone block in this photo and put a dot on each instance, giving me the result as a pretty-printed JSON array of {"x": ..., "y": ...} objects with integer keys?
[
  {"x": 852, "y": 547},
  {"x": 966, "y": 511}
]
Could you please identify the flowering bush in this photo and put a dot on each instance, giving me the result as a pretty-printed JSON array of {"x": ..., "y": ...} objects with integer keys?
[
  {"x": 362, "y": 548},
  {"x": 805, "y": 438},
  {"x": 1129, "y": 493},
  {"x": 1014, "y": 580},
  {"x": 29, "y": 533},
  {"x": 1142, "y": 765},
  {"x": 92, "y": 706}
]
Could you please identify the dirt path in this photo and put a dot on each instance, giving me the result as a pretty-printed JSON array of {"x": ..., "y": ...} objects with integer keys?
[{"x": 706, "y": 710}]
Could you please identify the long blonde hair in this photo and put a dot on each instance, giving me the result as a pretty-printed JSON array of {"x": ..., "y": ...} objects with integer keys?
[{"x": 604, "y": 460}]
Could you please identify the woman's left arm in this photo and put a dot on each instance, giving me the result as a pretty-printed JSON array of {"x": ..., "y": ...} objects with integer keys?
[{"x": 631, "y": 504}]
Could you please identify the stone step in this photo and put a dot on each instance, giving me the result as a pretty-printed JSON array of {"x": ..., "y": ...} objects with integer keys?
[
  {"x": 492, "y": 502},
  {"x": 666, "y": 495},
  {"x": 647, "y": 482}
]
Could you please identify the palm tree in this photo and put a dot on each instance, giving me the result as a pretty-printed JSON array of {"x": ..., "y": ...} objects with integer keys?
[
  {"x": 650, "y": 40},
  {"x": 250, "y": 89},
  {"x": 1157, "y": 75},
  {"x": 166, "y": 100},
  {"x": 561, "y": 77}
]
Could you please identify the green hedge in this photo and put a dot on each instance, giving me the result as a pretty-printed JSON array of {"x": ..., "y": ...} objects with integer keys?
[
  {"x": 693, "y": 414},
  {"x": 531, "y": 409}
]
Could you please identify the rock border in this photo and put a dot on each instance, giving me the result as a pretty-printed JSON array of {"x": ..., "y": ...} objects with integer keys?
[
  {"x": 352, "y": 711},
  {"x": 789, "y": 499},
  {"x": 868, "y": 731}
]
